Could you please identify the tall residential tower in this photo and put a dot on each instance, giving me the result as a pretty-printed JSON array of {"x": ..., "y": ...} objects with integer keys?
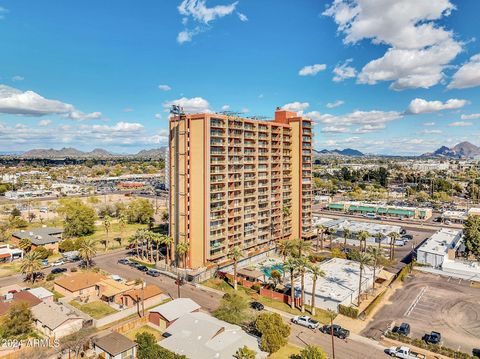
[{"x": 239, "y": 182}]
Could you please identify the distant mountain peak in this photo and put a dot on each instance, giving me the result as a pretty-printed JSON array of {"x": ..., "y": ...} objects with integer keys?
[
  {"x": 463, "y": 149},
  {"x": 350, "y": 152},
  {"x": 69, "y": 152}
]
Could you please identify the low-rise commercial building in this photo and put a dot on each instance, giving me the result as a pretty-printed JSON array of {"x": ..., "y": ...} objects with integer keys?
[
  {"x": 9, "y": 253},
  {"x": 47, "y": 237},
  {"x": 381, "y": 210},
  {"x": 454, "y": 216},
  {"x": 440, "y": 246},
  {"x": 354, "y": 227}
]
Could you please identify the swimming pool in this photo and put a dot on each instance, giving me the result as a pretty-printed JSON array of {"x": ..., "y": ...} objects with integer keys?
[{"x": 267, "y": 270}]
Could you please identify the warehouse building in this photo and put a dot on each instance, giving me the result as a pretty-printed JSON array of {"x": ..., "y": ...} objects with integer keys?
[{"x": 440, "y": 246}]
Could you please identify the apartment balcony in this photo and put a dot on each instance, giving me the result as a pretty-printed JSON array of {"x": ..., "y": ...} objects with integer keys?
[
  {"x": 217, "y": 226},
  {"x": 215, "y": 217},
  {"x": 249, "y": 135},
  {"x": 217, "y": 189},
  {"x": 306, "y": 139},
  {"x": 262, "y": 144},
  {"x": 216, "y": 179},
  {"x": 219, "y": 235},
  {"x": 217, "y": 143},
  {"x": 276, "y": 129},
  {"x": 221, "y": 208},
  {"x": 217, "y": 123},
  {"x": 217, "y": 133},
  {"x": 216, "y": 254}
]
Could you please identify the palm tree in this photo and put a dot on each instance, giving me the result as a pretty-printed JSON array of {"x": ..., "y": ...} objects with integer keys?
[
  {"x": 376, "y": 254},
  {"x": 363, "y": 259},
  {"x": 182, "y": 250},
  {"x": 321, "y": 228},
  {"x": 107, "y": 224},
  {"x": 330, "y": 232},
  {"x": 138, "y": 239},
  {"x": 285, "y": 248},
  {"x": 30, "y": 265},
  {"x": 168, "y": 241},
  {"x": 378, "y": 236},
  {"x": 302, "y": 246},
  {"x": 122, "y": 223},
  {"x": 291, "y": 265},
  {"x": 393, "y": 237},
  {"x": 332, "y": 315},
  {"x": 346, "y": 235},
  {"x": 316, "y": 273},
  {"x": 87, "y": 250},
  {"x": 235, "y": 254},
  {"x": 302, "y": 266},
  {"x": 25, "y": 244},
  {"x": 157, "y": 239},
  {"x": 362, "y": 237}
]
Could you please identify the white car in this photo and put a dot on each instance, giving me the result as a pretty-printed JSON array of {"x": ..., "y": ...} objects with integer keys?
[
  {"x": 305, "y": 321},
  {"x": 58, "y": 262}
]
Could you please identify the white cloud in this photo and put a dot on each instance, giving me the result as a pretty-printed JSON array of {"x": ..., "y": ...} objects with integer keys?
[
  {"x": 242, "y": 17},
  {"x": 460, "y": 124},
  {"x": 17, "y": 78},
  {"x": 128, "y": 109},
  {"x": 430, "y": 132},
  {"x": 202, "y": 14},
  {"x": 419, "y": 105},
  {"x": 3, "y": 11},
  {"x": 296, "y": 106},
  {"x": 29, "y": 103},
  {"x": 357, "y": 117},
  {"x": 119, "y": 127},
  {"x": 190, "y": 105},
  {"x": 44, "y": 123},
  {"x": 344, "y": 71},
  {"x": 335, "y": 129},
  {"x": 245, "y": 110},
  {"x": 225, "y": 107},
  {"x": 429, "y": 123},
  {"x": 418, "y": 48},
  {"x": 335, "y": 104},
  {"x": 468, "y": 75},
  {"x": 164, "y": 87},
  {"x": 158, "y": 116},
  {"x": 368, "y": 128},
  {"x": 473, "y": 116},
  {"x": 312, "y": 70}
]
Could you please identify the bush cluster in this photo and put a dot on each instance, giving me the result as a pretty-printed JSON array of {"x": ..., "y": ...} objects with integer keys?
[{"x": 350, "y": 312}]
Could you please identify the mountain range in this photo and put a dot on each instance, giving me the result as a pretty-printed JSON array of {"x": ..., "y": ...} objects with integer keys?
[
  {"x": 346, "y": 152},
  {"x": 462, "y": 150},
  {"x": 98, "y": 153}
]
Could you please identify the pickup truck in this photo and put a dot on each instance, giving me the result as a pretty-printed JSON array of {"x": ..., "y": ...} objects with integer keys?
[
  {"x": 403, "y": 353},
  {"x": 433, "y": 338},
  {"x": 338, "y": 331},
  {"x": 306, "y": 321}
]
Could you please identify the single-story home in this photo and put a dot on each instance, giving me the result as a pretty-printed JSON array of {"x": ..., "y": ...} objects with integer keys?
[
  {"x": 9, "y": 253},
  {"x": 110, "y": 290},
  {"x": 166, "y": 314},
  {"x": 42, "y": 294},
  {"x": 115, "y": 346},
  {"x": 47, "y": 237},
  {"x": 56, "y": 320},
  {"x": 78, "y": 284},
  {"x": 199, "y": 335},
  {"x": 132, "y": 297},
  {"x": 10, "y": 298}
]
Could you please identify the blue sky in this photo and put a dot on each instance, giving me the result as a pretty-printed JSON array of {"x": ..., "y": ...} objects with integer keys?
[{"x": 396, "y": 77}]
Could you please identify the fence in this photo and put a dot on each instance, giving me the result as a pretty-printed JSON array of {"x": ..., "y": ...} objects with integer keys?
[{"x": 130, "y": 325}]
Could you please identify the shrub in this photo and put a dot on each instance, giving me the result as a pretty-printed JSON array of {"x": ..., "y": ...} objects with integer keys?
[
  {"x": 256, "y": 287},
  {"x": 350, "y": 312},
  {"x": 274, "y": 331},
  {"x": 42, "y": 252},
  {"x": 73, "y": 269},
  {"x": 50, "y": 277},
  {"x": 337, "y": 253}
]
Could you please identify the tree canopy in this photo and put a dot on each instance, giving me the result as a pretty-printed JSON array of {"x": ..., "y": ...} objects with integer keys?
[
  {"x": 274, "y": 331},
  {"x": 79, "y": 219}
]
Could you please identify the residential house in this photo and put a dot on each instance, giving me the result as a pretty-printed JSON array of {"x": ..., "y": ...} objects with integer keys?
[
  {"x": 78, "y": 284},
  {"x": 111, "y": 290},
  {"x": 115, "y": 346},
  {"x": 166, "y": 314},
  {"x": 47, "y": 237},
  {"x": 19, "y": 297},
  {"x": 134, "y": 296},
  {"x": 43, "y": 294},
  {"x": 56, "y": 320},
  {"x": 9, "y": 253}
]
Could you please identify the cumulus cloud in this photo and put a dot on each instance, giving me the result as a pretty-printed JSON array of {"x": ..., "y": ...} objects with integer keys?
[
  {"x": 357, "y": 117},
  {"x": 335, "y": 104},
  {"x": 312, "y": 70},
  {"x": 158, "y": 116},
  {"x": 202, "y": 15},
  {"x": 460, "y": 124},
  {"x": 429, "y": 132},
  {"x": 468, "y": 75},
  {"x": 119, "y": 127},
  {"x": 17, "y": 78},
  {"x": 29, "y": 103},
  {"x": 344, "y": 71},
  {"x": 335, "y": 129},
  {"x": 296, "y": 106},
  {"x": 44, "y": 123},
  {"x": 429, "y": 123},
  {"x": 190, "y": 105},
  {"x": 225, "y": 107},
  {"x": 473, "y": 116},
  {"x": 3, "y": 12},
  {"x": 368, "y": 128},
  {"x": 418, "y": 48},
  {"x": 419, "y": 105},
  {"x": 164, "y": 87}
]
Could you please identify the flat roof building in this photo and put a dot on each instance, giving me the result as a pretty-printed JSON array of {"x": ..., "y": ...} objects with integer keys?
[
  {"x": 440, "y": 246},
  {"x": 341, "y": 224},
  {"x": 381, "y": 209},
  {"x": 239, "y": 182}
]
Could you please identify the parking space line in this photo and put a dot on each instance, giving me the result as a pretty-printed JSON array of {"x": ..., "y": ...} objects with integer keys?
[{"x": 415, "y": 302}]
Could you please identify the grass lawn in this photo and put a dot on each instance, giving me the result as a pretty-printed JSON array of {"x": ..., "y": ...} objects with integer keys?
[
  {"x": 128, "y": 231},
  {"x": 7, "y": 269},
  {"x": 144, "y": 329},
  {"x": 285, "y": 352},
  {"x": 95, "y": 309},
  {"x": 146, "y": 264}
]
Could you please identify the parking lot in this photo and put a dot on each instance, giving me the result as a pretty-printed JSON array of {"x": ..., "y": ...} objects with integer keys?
[{"x": 429, "y": 302}]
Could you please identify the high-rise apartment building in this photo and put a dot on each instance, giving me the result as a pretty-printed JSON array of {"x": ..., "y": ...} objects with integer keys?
[{"x": 239, "y": 182}]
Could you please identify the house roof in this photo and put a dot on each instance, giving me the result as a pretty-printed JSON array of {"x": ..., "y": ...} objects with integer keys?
[
  {"x": 111, "y": 287},
  {"x": 18, "y": 297},
  {"x": 52, "y": 315},
  {"x": 40, "y": 236},
  {"x": 148, "y": 292},
  {"x": 176, "y": 308},
  {"x": 114, "y": 343},
  {"x": 78, "y": 281},
  {"x": 41, "y": 292}
]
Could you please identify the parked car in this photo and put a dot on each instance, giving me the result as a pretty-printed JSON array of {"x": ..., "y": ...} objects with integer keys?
[
  {"x": 305, "y": 321},
  {"x": 133, "y": 264},
  {"x": 403, "y": 231},
  {"x": 153, "y": 272},
  {"x": 403, "y": 329},
  {"x": 36, "y": 276},
  {"x": 437, "y": 219},
  {"x": 476, "y": 352},
  {"x": 58, "y": 270},
  {"x": 338, "y": 331},
  {"x": 123, "y": 261},
  {"x": 407, "y": 237},
  {"x": 142, "y": 268},
  {"x": 433, "y": 338},
  {"x": 404, "y": 352},
  {"x": 400, "y": 242},
  {"x": 257, "y": 306},
  {"x": 58, "y": 262},
  {"x": 45, "y": 263}
]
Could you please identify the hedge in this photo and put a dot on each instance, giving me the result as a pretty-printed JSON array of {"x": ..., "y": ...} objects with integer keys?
[
  {"x": 348, "y": 311},
  {"x": 430, "y": 347}
]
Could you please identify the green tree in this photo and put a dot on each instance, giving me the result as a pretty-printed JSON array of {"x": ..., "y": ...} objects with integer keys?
[
  {"x": 147, "y": 348},
  {"x": 274, "y": 331},
  {"x": 316, "y": 273},
  {"x": 87, "y": 250},
  {"x": 182, "y": 251},
  {"x": 79, "y": 219},
  {"x": 346, "y": 235},
  {"x": 67, "y": 245},
  {"x": 362, "y": 237},
  {"x": 291, "y": 265},
  {"x": 472, "y": 235},
  {"x": 107, "y": 224},
  {"x": 245, "y": 353},
  {"x": 235, "y": 254},
  {"x": 312, "y": 352},
  {"x": 379, "y": 236},
  {"x": 276, "y": 277},
  {"x": 17, "y": 322},
  {"x": 138, "y": 240},
  {"x": 321, "y": 229},
  {"x": 30, "y": 265},
  {"x": 233, "y": 309},
  {"x": 140, "y": 210},
  {"x": 377, "y": 257},
  {"x": 302, "y": 246},
  {"x": 302, "y": 266},
  {"x": 25, "y": 244},
  {"x": 393, "y": 237},
  {"x": 167, "y": 241},
  {"x": 42, "y": 252},
  {"x": 363, "y": 259},
  {"x": 122, "y": 223}
]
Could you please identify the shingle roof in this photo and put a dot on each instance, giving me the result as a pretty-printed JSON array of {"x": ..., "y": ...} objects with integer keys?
[
  {"x": 148, "y": 292},
  {"x": 176, "y": 308},
  {"x": 53, "y": 315},
  {"x": 114, "y": 343},
  {"x": 40, "y": 236},
  {"x": 19, "y": 297},
  {"x": 78, "y": 281}
]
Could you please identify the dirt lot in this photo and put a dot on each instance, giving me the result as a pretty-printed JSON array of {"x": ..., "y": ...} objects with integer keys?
[{"x": 429, "y": 302}]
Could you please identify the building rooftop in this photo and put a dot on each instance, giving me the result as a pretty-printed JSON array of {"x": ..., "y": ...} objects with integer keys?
[
  {"x": 114, "y": 343},
  {"x": 148, "y": 292},
  {"x": 176, "y": 308},
  {"x": 358, "y": 226},
  {"x": 19, "y": 297},
  {"x": 40, "y": 292},
  {"x": 40, "y": 236},
  {"x": 78, "y": 281},
  {"x": 441, "y": 241},
  {"x": 111, "y": 287},
  {"x": 52, "y": 315}
]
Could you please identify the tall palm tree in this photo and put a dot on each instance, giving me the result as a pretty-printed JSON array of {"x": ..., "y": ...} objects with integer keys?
[
  {"x": 376, "y": 254},
  {"x": 122, "y": 223},
  {"x": 291, "y": 265},
  {"x": 302, "y": 246},
  {"x": 393, "y": 237},
  {"x": 363, "y": 259},
  {"x": 235, "y": 254},
  {"x": 157, "y": 239},
  {"x": 330, "y": 232},
  {"x": 302, "y": 266},
  {"x": 167, "y": 241},
  {"x": 321, "y": 228},
  {"x": 107, "y": 224},
  {"x": 30, "y": 265},
  {"x": 285, "y": 248},
  {"x": 182, "y": 250},
  {"x": 378, "y": 236},
  {"x": 362, "y": 237},
  {"x": 316, "y": 273},
  {"x": 331, "y": 315},
  {"x": 138, "y": 239},
  {"x": 346, "y": 235},
  {"x": 87, "y": 250}
]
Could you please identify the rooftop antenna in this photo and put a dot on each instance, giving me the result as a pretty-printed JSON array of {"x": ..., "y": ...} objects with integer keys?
[
  {"x": 177, "y": 110},
  {"x": 230, "y": 113},
  {"x": 257, "y": 117}
]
